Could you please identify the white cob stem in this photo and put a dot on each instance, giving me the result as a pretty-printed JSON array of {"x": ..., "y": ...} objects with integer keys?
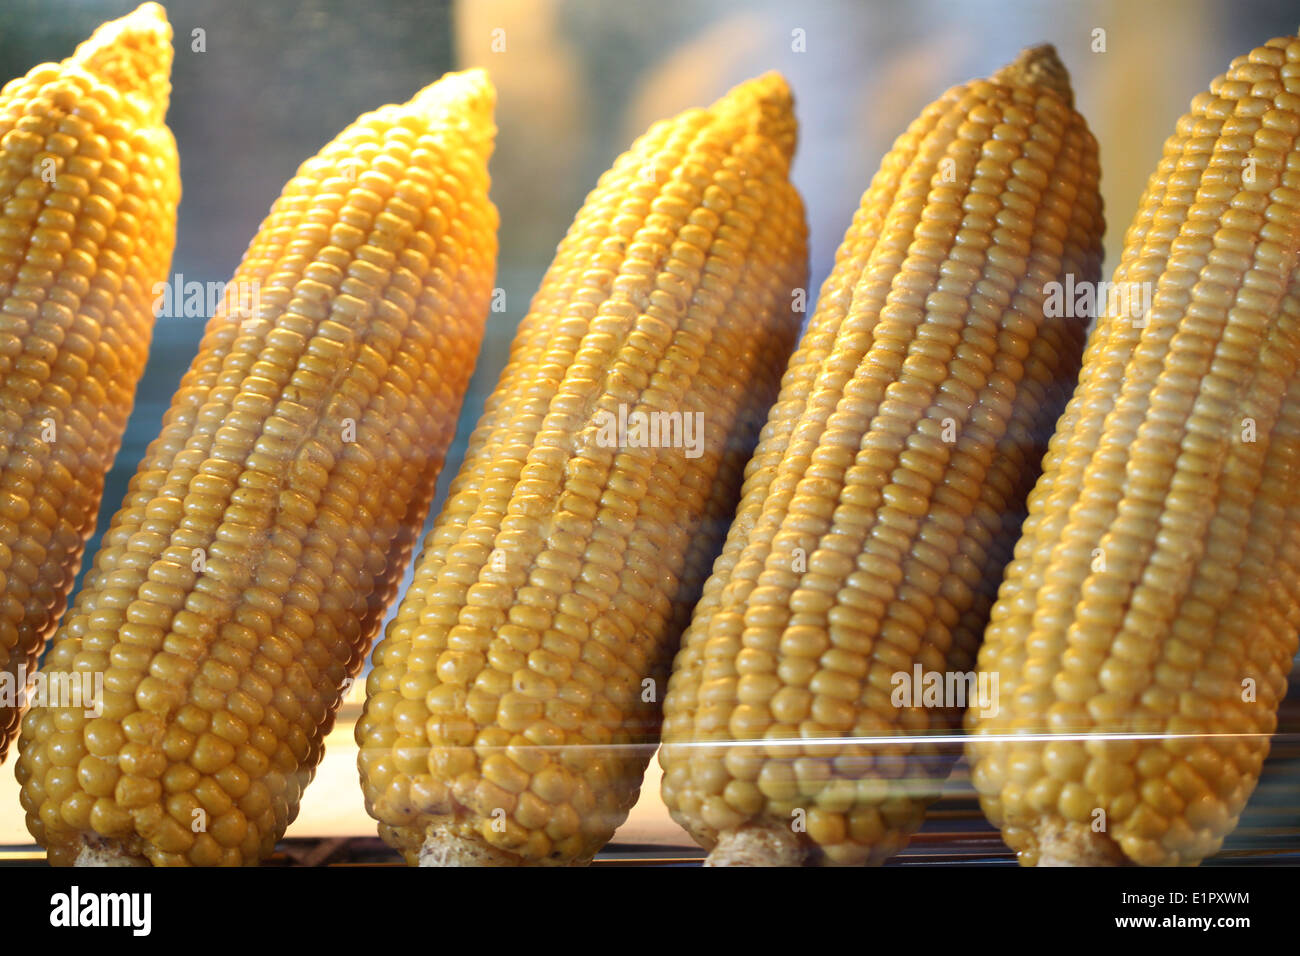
[
  {"x": 756, "y": 847},
  {"x": 97, "y": 852},
  {"x": 444, "y": 848},
  {"x": 1076, "y": 844}
]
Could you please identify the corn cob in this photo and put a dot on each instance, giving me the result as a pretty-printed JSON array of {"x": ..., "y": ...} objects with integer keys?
[
  {"x": 880, "y": 505},
  {"x": 513, "y": 705},
  {"x": 89, "y": 184},
  {"x": 261, "y": 539},
  {"x": 1155, "y": 593}
]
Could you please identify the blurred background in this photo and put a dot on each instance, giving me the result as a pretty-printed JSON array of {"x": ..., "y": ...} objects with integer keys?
[{"x": 259, "y": 86}]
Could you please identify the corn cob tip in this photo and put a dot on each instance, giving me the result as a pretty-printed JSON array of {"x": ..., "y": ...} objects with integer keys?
[
  {"x": 769, "y": 100},
  {"x": 133, "y": 54},
  {"x": 468, "y": 94},
  {"x": 469, "y": 88},
  {"x": 1038, "y": 66},
  {"x": 754, "y": 846}
]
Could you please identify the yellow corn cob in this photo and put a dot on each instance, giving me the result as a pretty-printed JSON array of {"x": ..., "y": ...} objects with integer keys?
[
  {"x": 89, "y": 183},
  {"x": 1156, "y": 589},
  {"x": 881, "y": 503},
  {"x": 513, "y": 704},
  {"x": 262, "y": 537}
]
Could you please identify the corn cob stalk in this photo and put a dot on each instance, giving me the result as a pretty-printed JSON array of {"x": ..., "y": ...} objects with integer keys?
[
  {"x": 1155, "y": 593},
  {"x": 880, "y": 505},
  {"x": 513, "y": 704},
  {"x": 263, "y": 535},
  {"x": 89, "y": 184}
]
